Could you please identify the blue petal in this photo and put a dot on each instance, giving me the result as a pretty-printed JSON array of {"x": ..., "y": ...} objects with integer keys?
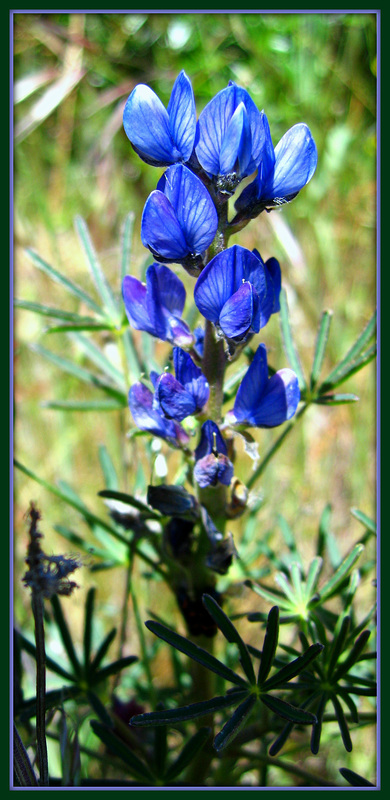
[
  {"x": 213, "y": 123},
  {"x": 175, "y": 401},
  {"x": 194, "y": 208},
  {"x": 171, "y": 289},
  {"x": 134, "y": 298},
  {"x": 191, "y": 377},
  {"x": 296, "y": 161},
  {"x": 211, "y": 469},
  {"x": 146, "y": 124},
  {"x": 182, "y": 115},
  {"x": 252, "y": 386},
  {"x": 160, "y": 229},
  {"x": 279, "y": 402},
  {"x": 218, "y": 281},
  {"x": 236, "y": 316},
  {"x": 236, "y": 145},
  {"x": 145, "y": 416},
  {"x": 256, "y": 273}
]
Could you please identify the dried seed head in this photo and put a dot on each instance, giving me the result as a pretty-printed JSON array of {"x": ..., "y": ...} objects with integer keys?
[{"x": 47, "y": 575}]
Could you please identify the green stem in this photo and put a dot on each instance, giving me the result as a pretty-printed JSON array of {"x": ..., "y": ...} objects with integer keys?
[{"x": 37, "y": 609}]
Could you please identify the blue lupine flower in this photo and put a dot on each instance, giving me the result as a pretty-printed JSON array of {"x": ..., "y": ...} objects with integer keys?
[
  {"x": 282, "y": 172},
  {"x": 265, "y": 402},
  {"x": 149, "y": 418},
  {"x": 186, "y": 394},
  {"x": 238, "y": 292},
  {"x": 179, "y": 220},
  {"x": 157, "y": 306},
  {"x": 230, "y": 137},
  {"x": 162, "y": 136},
  {"x": 212, "y": 463}
]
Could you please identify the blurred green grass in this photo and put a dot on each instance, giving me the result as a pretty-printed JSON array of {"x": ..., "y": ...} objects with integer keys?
[{"x": 73, "y": 73}]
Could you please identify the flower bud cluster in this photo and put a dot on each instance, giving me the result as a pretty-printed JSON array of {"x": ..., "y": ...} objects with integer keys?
[{"x": 185, "y": 221}]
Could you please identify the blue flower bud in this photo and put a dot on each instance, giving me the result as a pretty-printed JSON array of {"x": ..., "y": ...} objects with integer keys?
[
  {"x": 157, "y": 306},
  {"x": 238, "y": 292},
  {"x": 162, "y": 136},
  {"x": 261, "y": 401},
  {"x": 179, "y": 220},
  {"x": 230, "y": 137},
  {"x": 212, "y": 464}
]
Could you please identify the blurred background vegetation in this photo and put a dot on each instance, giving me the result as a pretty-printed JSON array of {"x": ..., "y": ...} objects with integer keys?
[{"x": 72, "y": 75}]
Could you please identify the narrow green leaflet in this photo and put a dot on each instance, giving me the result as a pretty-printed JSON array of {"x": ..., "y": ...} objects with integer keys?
[
  {"x": 335, "y": 399},
  {"x": 65, "y": 634},
  {"x": 328, "y": 589},
  {"x": 269, "y": 645},
  {"x": 30, "y": 648},
  {"x": 99, "y": 278},
  {"x": 85, "y": 405},
  {"x": 271, "y": 597},
  {"x": 355, "y": 358},
  {"x": 57, "y": 313},
  {"x": 319, "y": 353},
  {"x": 231, "y": 634},
  {"x": 81, "y": 374},
  {"x": 369, "y": 523},
  {"x": 88, "y": 624},
  {"x": 96, "y": 355},
  {"x": 288, "y": 341},
  {"x": 287, "y": 711},
  {"x": 294, "y": 668},
  {"x": 236, "y": 722},
  {"x": 343, "y": 725},
  {"x": 119, "y": 748},
  {"x": 194, "y": 652},
  {"x": 108, "y": 469},
  {"x": 63, "y": 281},
  {"x": 185, "y": 713},
  {"x": 102, "y": 650},
  {"x": 114, "y": 668}
]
